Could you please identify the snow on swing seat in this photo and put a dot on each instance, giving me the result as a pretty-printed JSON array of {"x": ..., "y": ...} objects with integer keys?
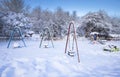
[
  {"x": 16, "y": 45},
  {"x": 71, "y": 53},
  {"x": 46, "y": 46}
]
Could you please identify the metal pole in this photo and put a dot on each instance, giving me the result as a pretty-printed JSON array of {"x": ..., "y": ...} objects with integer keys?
[
  {"x": 41, "y": 41},
  {"x": 21, "y": 37},
  {"x": 76, "y": 45},
  {"x": 67, "y": 38},
  {"x": 11, "y": 37}
]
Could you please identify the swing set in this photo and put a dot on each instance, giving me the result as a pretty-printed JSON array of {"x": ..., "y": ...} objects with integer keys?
[
  {"x": 46, "y": 36},
  {"x": 71, "y": 50},
  {"x": 16, "y": 30}
]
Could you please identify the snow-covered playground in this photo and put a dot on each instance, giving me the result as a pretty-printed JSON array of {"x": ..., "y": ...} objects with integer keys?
[
  {"x": 59, "y": 38},
  {"x": 32, "y": 61}
]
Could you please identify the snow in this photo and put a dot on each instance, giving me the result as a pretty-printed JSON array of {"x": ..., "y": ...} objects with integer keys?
[
  {"x": 16, "y": 45},
  {"x": 114, "y": 35},
  {"x": 32, "y": 61}
]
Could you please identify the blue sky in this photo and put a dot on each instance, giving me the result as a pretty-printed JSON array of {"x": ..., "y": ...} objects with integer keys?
[{"x": 112, "y": 7}]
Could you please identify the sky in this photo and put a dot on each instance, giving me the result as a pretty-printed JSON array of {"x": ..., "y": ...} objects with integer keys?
[{"x": 112, "y": 7}]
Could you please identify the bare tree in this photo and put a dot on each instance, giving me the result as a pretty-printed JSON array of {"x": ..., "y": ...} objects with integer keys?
[
  {"x": 74, "y": 16},
  {"x": 36, "y": 19},
  {"x": 12, "y": 5}
]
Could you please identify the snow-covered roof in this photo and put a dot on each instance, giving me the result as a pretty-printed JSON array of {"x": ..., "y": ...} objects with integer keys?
[
  {"x": 114, "y": 35},
  {"x": 92, "y": 33}
]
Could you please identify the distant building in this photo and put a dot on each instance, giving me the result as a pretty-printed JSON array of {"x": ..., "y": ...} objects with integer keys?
[{"x": 114, "y": 36}]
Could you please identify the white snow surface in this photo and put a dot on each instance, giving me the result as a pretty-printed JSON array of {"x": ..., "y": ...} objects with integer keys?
[{"x": 32, "y": 61}]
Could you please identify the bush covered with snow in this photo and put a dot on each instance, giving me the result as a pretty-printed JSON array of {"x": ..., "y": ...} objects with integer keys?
[
  {"x": 96, "y": 21},
  {"x": 12, "y": 20},
  {"x": 99, "y": 22}
]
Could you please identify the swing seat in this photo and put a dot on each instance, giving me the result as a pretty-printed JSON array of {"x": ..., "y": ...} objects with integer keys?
[
  {"x": 16, "y": 45},
  {"x": 46, "y": 45},
  {"x": 71, "y": 53}
]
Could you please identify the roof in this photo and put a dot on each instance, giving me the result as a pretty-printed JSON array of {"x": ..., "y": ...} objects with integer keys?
[
  {"x": 114, "y": 35},
  {"x": 92, "y": 33}
]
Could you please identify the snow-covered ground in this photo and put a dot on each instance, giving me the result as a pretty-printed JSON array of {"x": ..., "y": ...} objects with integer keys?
[{"x": 32, "y": 61}]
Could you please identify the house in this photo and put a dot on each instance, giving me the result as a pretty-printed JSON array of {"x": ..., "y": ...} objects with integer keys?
[{"x": 115, "y": 37}]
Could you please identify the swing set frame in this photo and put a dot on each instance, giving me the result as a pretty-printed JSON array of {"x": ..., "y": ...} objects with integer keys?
[
  {"x": 43, "y": 36},
  {"x": 74, "y": 39},
  {"x": 16, "y": 30}
]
